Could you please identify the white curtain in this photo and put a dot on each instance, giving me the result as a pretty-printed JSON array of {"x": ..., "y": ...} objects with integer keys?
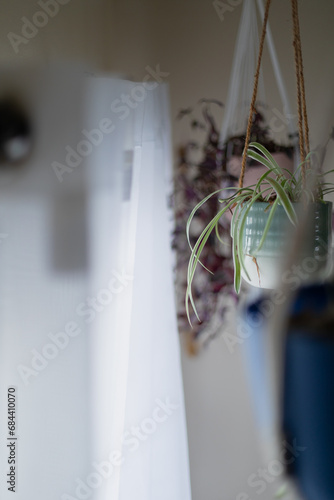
[
  {"x": 137, "y": 337},
  {"x": 88, "y": 255}
]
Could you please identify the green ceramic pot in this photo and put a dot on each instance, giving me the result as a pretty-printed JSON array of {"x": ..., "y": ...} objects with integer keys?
[{"x": 265, "y": 267}]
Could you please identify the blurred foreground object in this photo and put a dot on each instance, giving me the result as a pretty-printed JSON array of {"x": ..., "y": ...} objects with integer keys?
[{"x": 309, "y": 390}]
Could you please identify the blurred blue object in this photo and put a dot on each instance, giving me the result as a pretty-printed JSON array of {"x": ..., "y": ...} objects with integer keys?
[
  {"x": 308, "y": 403},
  {"x": 254, "y": 325}
]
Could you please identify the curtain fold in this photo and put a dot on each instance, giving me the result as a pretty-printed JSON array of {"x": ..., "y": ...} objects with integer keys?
[{"x": 146, "y": 421}]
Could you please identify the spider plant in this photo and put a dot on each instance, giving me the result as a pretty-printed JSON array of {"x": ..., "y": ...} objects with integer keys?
[{"x": 277, "y": 186}]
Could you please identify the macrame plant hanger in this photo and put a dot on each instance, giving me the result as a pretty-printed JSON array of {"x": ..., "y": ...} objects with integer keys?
[
  {"x": 303, "y": 128},
  {"x": 269, "y": 399},
  {"x": 242, "y": 74}
]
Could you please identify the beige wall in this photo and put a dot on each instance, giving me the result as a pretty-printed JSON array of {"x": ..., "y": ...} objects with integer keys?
[
  {"x": 187, "y": 39},
  {"x": 81, "y": 29}
]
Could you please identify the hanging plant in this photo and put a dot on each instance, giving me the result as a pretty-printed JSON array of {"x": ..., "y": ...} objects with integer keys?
[
  {"x": 261, "y": 214},
  {"x": 265, "y": 208},
  {"x": 214, "y": 292}
]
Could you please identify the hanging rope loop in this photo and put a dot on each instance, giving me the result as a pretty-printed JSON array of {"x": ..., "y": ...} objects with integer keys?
[
  {"x": 252, "y": 106},
  {"x": 304, "y": 145}
]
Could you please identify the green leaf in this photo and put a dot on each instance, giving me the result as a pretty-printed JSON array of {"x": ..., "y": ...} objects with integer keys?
[
  {"x": 191, "y": 272},
  {"x": 194, "y": 259},
  {"x": 218, "y": 235},
  {"x": 237, "y": 269},
  {"x": 208, "y": 228},
  {"x": 243, "y": 217},
  {"x": 260, "y": 159},
  {"x": 268, "y": 155},
  {"x": 282, "y": 491},
  {"x": 235, "y": 251},
  {"x": 267, "y": 226},
  {"x": 194, "y": 210},
  {"x": 241, "y": 199},
  {"x": 261, "y": 179},
  {"x": 287, "y": 205}
]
